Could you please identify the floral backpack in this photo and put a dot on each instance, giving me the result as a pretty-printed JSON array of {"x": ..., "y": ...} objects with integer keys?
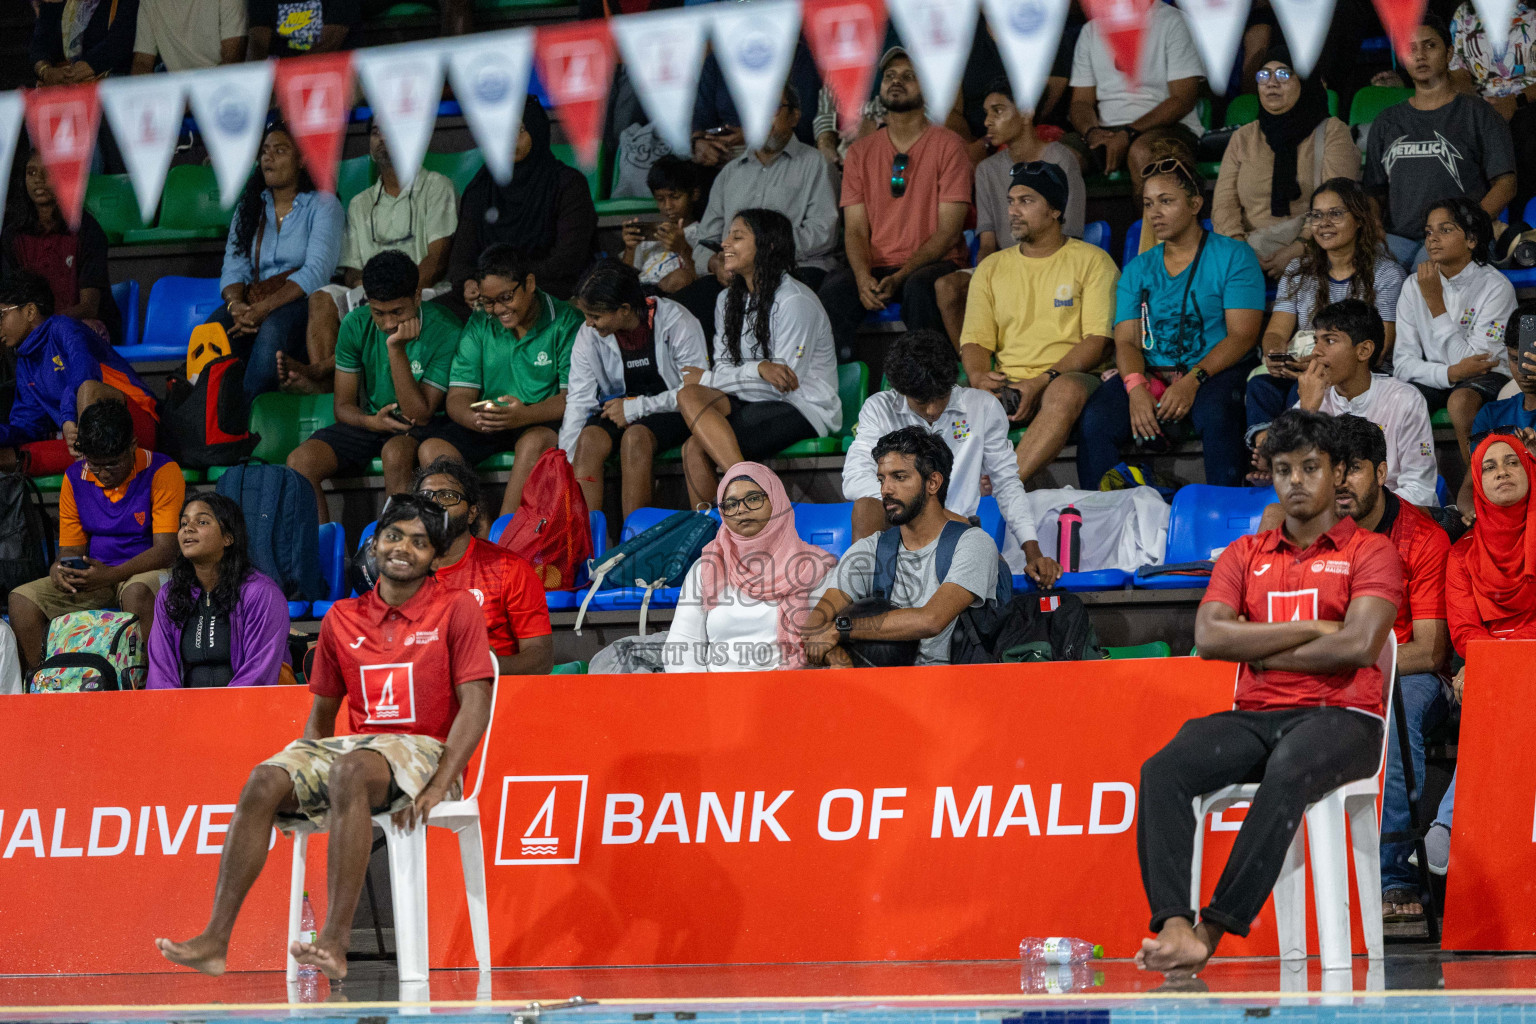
[{"x": 88, "y": 651}]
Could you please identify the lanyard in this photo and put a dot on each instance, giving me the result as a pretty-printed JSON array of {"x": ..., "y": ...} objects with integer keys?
[{"x": 1147, "y": 341}]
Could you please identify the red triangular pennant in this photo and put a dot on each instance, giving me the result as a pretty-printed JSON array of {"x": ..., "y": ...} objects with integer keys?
[
  {"x": 1121, "y": 24},
  {"x": 576, "y": 66},
  {"x": 62, "y": 121},
  {"x": 845, "y": 37},
  {"x": 1400, "y": 18},
  {"x": 315, "y": 94}
]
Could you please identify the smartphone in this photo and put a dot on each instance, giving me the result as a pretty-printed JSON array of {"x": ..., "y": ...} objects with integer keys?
[
  {"x": 77, "y": 563},
  {"x": 489, "y": 403},
  {"x": 1527, "y": 339},
  {"x": 723, "y": 129},
  {"x": 400, "y": 417}
]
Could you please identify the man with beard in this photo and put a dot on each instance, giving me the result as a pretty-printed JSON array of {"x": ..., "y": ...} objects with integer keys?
[
  {"x": 1039, "y": 317},
  {"x": 503, "y": 583},
  {"x": 411, "y": 660},
  {"x": 906, "y": 193},
  {"x": 913, "y": 467}
]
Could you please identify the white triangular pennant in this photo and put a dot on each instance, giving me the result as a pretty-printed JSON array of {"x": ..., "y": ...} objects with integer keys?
[
  {"x": 145, "y": 113},
  {"x": 664, "y": 52},
  {"x": 404, "y": 85},
  {"x": 1305, "y": 24},
  {"x": 937, "y": 35},
  {"x": 1497, "y": 16},
  {"x": 11, "y": 113},
  {"x": 230, "y": 105},
  {"x": 489, "y": 74},
  {"x": 1217, "y": 26},
  {"x": 1027, "y": 33},
  {"x": 755, "y": 45}
]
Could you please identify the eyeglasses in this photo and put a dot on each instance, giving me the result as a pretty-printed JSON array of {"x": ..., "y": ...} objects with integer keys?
[
  {"x": 491, "y": 305},
  {"x": 751, "y": 502},
  {"x": 1333, "y": 216},
  {"x": 443, "y": 498},
  {"x": 899, "y": 175},
  {"x": 1278, "y": 74},
  {"x": 117, "y": 462},
  {"x": 410, "y": 220},
  {"x": 6, "y": 309}
]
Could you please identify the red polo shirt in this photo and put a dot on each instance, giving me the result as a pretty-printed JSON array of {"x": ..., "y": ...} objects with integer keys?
[
  {"x": 1265, "y": 578},
  {"x": 1424, "y": 548},
  {"x": 506, "y": 588},
  {"x": 398, "y": 667}
]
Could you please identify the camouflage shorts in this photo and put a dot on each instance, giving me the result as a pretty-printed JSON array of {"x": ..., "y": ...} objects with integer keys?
[{"x": 412, "y": 763}]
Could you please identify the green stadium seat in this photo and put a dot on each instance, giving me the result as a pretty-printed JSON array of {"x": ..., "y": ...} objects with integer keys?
[
  {"x": 458, "y": 167},
  {"x": 353, "y": 176},
  {"x": 514, "y": 6},
  {"x": 110, "y": 199},
  {"x": 403, "y": 15},
  {"x": 189, "y": 209},
  {"x": 499, "y": 461},
  {"x": 852, "y": 390},
  {"x": 570, "y": 668},
  {"x": 285, "y": 422},
  {"x": 1440, "y": 418},
  {"x": 566, "y": 154},
  {"x": 1242, "y": 109},
  {"x": 1155, "y": 649},
  {"x": 1371, "y": 100},
  {"x": 628, "y": 206}
]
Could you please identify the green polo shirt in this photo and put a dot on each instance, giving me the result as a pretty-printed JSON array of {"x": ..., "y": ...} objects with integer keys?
[
  {"x": 495, "y": 361},
  {"x": 361, "y": 348}
]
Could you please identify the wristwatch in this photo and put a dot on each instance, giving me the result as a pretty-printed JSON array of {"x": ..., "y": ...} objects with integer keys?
[
  {"x": 1200, "y": 374},
  {"x": 844, "y": 625},
  {"x": 1051, "y": 375}
]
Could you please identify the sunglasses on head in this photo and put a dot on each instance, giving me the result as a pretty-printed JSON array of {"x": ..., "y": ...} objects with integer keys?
[
  {"x": 1169, "y": 165},
  {"x": 899, "y": 175}
]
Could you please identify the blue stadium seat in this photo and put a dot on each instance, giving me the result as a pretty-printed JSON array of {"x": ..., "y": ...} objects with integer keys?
[
  {"x": 1442, "y": 492},
  {"x": 126, "y": 295},
  {"x": 333, "y": 560},
  {"x": 321, "y": 607},
  {"x": 973, "y": 245},
  {"x": 1524, "y": 277},
  {"x": 891, "y": 314},
  {"x": 1205, "y": 518},
  {"x": 566, "y": 600},
  {"x": 828, "y": 526},
  {"x": 1097, "y": 232},
  {"x": 1079, "y": 582},
  {"x": 991, "y": 517},
  {"x": 176, "y": 305}
]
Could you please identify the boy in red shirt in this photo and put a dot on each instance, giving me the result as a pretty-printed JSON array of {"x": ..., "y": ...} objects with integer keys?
[
  {"x": 1306, "y": 609},
  {"x": 413, "y": 663},
  {"x": 502, "y": 582}
]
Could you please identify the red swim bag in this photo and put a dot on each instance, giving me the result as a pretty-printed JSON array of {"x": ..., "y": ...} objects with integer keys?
[{"x": 550, "y": 527}]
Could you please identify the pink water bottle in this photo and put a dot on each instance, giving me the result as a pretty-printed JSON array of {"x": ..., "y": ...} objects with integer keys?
[{"x": 1069, "y": 538}]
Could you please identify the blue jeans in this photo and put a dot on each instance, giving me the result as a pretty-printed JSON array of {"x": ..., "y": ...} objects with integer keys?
[
  {"x": 1217, "y": 416},
  {"x": 283, "y": 330},
  {"x": 1267, "y": 397},
  {"x": 1447, "y": 803},
  {"x": 1410, "y": 252},
  {"x": 1425, "y": 706}
]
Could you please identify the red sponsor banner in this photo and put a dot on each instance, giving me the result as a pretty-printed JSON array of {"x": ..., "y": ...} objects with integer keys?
[
  {"x": 1121, "y": 24},
  {"x": 1400, "y": 18},
  {"x": 845, "y": 37},
  {"x": 1493, "y": 848},
  {"x": 576, "y": 66},
  {"x": 924, "y": 814},
  {"x": 62, "y": 121},
  {"x": 315, "y": 95}
]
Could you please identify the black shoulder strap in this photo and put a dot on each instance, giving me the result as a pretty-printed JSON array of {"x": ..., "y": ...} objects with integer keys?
[{"x": 78, "y": 659}]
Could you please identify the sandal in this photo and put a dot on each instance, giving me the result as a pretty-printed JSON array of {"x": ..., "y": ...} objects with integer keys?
[{"x": 1401, "y": 906}]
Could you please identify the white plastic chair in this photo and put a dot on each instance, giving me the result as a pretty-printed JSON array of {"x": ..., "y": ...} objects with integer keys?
[
  {"x": 408, "y": 874},
  {"x": 1330, "y": 869}
]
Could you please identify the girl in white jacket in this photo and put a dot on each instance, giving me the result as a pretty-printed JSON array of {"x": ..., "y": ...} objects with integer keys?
[
  {"x": 626, "y": 367},
  {"x": 774, "y": 380},
  {"x": 1451, "y": 317}
]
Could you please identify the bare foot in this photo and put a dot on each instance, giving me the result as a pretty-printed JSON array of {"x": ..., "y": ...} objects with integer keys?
[
  {"x": 1178, "y": 949},
  {"x": 298, "y": 384},
  {"x": 332, "y": 962},
  {"x": 202, "y": 953}
]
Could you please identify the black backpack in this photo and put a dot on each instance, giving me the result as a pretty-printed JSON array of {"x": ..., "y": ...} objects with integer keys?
[
  {"x": 888, "y": 547},
  {"x": 1041, "y": 626},
  {"x": 26, "y": 533},
  {"x": 208, "y": 423}
]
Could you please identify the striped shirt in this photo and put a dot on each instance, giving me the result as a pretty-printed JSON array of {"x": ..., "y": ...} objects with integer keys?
[{"x": 1299, "y": 296}]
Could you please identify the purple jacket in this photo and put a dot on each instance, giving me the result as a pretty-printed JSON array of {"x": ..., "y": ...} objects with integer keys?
[{"x": 258, "y": 637}]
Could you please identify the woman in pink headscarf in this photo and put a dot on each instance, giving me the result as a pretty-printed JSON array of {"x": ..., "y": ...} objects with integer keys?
[{"x": 744, "y": 601}]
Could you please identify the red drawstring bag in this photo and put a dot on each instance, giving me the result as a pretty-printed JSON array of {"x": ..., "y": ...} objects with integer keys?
[{"x": 550, "y": 527}]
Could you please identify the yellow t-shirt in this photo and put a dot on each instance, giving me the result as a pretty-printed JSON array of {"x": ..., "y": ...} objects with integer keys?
[{"x": 1030, "y": 312}]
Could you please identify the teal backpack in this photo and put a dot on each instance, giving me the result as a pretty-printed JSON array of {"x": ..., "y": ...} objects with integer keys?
[
  {"x": 90, "y": 651},
  {"x": 659, "y": 557}
]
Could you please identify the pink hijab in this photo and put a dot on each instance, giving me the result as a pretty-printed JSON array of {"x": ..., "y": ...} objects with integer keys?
[{"x": 775, "y": 565}]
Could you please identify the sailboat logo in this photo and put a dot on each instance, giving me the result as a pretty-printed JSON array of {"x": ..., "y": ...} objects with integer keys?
[
  {"x": 542, "y": 844},
  {"x": 541, "y": 819}
]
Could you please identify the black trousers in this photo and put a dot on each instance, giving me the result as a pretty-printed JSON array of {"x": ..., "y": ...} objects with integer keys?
[
  {"x": 1295, "y": 755},
  {"x": 919, "y": 308}
]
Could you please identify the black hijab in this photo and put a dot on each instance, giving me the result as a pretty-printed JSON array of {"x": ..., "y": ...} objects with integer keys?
[
  {"x": 1286, "y": 132},
  {"x": 522, "y": 212}
]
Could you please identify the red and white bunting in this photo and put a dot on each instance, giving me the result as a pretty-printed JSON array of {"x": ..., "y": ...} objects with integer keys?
[
  {"x": 845, "y": 38},
  {"x": 1497, "y": 16},
  {"x": 664, "y": 53},
  {"x": 489, "y": 74},
  {"x": 145, "y": 113},
  {"x": 404, "y": 85},
  {"x": 1400, "y": 18},
  {"x": 937, "y": 35},
  {"x": 755, "y": 45},
  {"x": 62, "y": 121},
  {"x": 1305, "y": 24},
  {"x": 576, "y": 66},
  {"x": 10, "y": 127},
  {"x": 1027, "y": 34},
  {"x": 315, "y": 95},
  {"x": 230, "y": 105},
  {"x": 1121, "y": 25},
  {"x": 1217, "y": 26}
]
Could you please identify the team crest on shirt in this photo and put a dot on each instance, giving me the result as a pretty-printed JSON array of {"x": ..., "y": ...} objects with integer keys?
[
  {"x": 1494, "y": 332},
  {"x": 58, "y": 364},
  {"x": 389, "y": 693},
  {"x": 424, "y": 636},
  {"x": 542, "y": 360},
  {"x": 139, "y": 518},
  {"x": 1063, "y": 295},
  {"x": 1424, "y": 449},
  {"x": 416, "y": 368},
  {"x": 960, "y": 429}
]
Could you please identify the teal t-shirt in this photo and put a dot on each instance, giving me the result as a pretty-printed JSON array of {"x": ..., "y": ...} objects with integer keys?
[{"x": 1185, "y": 329}]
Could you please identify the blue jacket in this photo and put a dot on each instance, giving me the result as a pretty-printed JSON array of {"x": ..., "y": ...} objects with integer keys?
[{"x": 55, "y": 359}]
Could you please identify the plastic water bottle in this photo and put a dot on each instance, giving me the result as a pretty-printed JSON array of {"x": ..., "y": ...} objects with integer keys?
[
  {"x": 307, "y": 933},
  {"x": 1069, "y": 539},
  {"x": 1058, "y": 951},
  {"x": 1059, "y": 979}
]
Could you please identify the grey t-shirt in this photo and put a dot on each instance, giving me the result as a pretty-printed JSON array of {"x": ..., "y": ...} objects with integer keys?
[
  {"x": 995, "y": 174},
  {"x": 973, "y": 567},
  {"x": 1417, "y": 157}
]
